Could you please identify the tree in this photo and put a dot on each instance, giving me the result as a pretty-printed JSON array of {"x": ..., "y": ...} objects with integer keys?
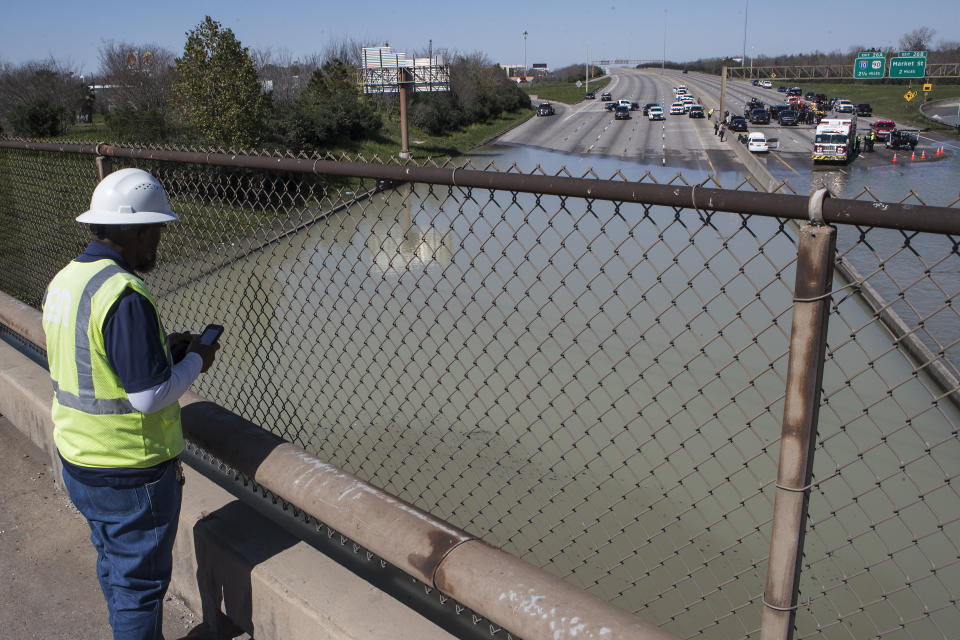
[
  {"x": 138, "y": 74},
  {"x": 215, "y": 86},
  {"x": 917, "y": 40},
  {"x": 35, "y": 90},
  {"x": 329, "y": 110},
  {"x": 40, "y": 118}
]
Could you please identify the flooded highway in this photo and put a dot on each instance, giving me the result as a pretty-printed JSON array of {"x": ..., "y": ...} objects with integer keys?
[{"x": 595, "y": 388}]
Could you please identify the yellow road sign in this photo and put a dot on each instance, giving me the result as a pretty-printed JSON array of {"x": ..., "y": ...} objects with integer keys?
[
  {"x": 927, "y": 88},
  {"x": 910, "y": 95},
  {"x": 773, "y": 75}
]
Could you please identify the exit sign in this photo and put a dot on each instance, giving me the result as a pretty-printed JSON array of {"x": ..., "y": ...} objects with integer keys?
[
  {"x": 909, "y": 64},
  {"x": 869, "y": 64}
]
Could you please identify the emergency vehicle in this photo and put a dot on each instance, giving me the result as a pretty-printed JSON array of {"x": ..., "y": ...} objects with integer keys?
[{"x": 835, "y": 140}]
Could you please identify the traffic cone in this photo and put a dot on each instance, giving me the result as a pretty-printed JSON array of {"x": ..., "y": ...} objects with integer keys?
[
  {"x": 923, "y": 154},
  {"x": 913, "y": 156},
  {"x": 894, "y": 156}
]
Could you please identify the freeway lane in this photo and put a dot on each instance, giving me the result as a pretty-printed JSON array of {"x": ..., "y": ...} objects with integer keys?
[{"x": 587, "y": 128}]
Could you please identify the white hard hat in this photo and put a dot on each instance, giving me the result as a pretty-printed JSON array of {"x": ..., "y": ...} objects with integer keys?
[{"x": 128, "y": 196}]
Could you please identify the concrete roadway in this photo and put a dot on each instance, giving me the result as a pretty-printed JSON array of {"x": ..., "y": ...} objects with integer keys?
[{"x": 587, "y": 128}]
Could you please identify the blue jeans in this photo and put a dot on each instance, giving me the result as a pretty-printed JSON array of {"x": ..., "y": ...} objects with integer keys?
[{"x": 133, "y": 531}]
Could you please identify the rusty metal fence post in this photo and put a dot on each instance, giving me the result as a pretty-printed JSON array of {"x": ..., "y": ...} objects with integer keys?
[
  {"x": 811, "y": 307},
  {"x": 104, "y": 165}
]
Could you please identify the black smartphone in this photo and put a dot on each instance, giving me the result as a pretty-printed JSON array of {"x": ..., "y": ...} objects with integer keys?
[{"x": 211, "y": 334}]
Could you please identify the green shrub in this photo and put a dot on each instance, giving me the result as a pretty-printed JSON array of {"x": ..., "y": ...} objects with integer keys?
[{"x": 39, "y": 119}]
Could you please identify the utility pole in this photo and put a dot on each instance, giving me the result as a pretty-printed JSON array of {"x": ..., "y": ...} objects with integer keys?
[{"x": 723, "y": 91}]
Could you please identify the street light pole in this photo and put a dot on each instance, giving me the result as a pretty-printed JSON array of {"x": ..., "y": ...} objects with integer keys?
[
  {"x": 746, "y": 6},
  {"x": 663, "y": 60},
  {"x": 524, "y": 55}
]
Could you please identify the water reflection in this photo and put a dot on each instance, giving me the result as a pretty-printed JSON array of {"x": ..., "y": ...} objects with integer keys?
[{"x": 400, "y": 245}]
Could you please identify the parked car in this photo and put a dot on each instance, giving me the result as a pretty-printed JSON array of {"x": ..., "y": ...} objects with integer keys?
[
  {"x": 777, "y": 109},
  {"x": 634, "y": 106},
  {"x": 788, "y": 118},
  {"x": 590, "y": 96},
  {"x": 883, "y": 128},
  {"x": 782, "y": 89},
  {"x": 676, "y": 109},
  {"x": 752, "y": 104},
  {"x": 795, "y": 91},
  {"x": 696, "y": 111},
  {"x": 844, "y": 106},
  {"x": 757, "y": 142},
  {"x": 864, "y": 110},
  {"x": 621, "y": 112},
  {"x": 759, "y": 116},
  {"x": 766, "y": 84},
  {"x": 902, "y": 140},
  {"x": 605, "y": 96},
  {"x": 655, "y": 112},
  {"x": 737, "y": 123},
  {"x": 646, "y": 107},
  {"x": 545, "y": 109}
]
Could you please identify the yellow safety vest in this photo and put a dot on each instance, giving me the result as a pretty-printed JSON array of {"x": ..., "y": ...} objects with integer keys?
[{"x": 94, "y": 423}]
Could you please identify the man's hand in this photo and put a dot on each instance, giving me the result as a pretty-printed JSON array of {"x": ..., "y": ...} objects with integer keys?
[
  {"x": 207, "y": 352},
  {"x": 179, "y": 343}
]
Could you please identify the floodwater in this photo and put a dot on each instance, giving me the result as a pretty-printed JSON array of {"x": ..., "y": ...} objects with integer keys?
[{"x": 595, "y": 389}]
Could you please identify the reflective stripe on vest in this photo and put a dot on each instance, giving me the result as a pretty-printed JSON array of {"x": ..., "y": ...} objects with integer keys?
[
  {"x": 96, "y": 406},
  {"x": 86, "y": 400}
]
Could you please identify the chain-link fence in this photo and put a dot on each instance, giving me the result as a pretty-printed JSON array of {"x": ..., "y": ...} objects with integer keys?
[{"x": 596, "y": 386}]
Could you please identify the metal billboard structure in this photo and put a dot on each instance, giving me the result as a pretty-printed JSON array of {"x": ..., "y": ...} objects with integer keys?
[
  {"x": 384, "y": 71},
  {"x": 388, "y": 71}
]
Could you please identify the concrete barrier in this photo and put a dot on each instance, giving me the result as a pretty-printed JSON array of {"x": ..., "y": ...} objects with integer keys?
[{"x": 231, "y": 564}]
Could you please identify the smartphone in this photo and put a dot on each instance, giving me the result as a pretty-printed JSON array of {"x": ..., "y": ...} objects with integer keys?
[{"x": 211, "y": 334}]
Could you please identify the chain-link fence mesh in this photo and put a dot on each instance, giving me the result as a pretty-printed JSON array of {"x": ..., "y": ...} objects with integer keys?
[{"x": 596, "y": 387}]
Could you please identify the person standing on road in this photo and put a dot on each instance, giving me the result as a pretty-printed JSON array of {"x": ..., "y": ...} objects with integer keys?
[
  {"x": 723, "y": 128},
  {"x": 716, "y": 128},
  {"x": 115, "y": 411}
]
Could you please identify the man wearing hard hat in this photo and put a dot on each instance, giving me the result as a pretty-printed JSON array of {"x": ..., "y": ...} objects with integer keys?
[{"x": 115, "y": 411}]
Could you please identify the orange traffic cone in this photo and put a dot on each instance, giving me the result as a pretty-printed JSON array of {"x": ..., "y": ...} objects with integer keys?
[
  {"x": 923, "y": 154},
  {"x": 913, "y": 156},
  {"x": 894, "y": 156}
]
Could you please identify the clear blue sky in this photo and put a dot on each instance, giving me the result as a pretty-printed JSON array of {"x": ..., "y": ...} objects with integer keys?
[{"x": 559, "y": 31}]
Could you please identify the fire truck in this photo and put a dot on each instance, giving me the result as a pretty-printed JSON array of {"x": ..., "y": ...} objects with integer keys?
[{"x": 835, "y": 140}]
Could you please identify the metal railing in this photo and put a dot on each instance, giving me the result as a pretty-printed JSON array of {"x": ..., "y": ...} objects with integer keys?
[{"x": 591, "y": 374}]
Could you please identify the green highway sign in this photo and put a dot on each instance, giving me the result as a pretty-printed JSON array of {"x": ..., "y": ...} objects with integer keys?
[
  {"x": 869, "y": 64},
  {"x": 908, "y": 64}
]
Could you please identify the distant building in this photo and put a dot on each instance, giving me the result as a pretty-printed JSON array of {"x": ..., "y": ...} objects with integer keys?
[{"x": 515, "y": 72}]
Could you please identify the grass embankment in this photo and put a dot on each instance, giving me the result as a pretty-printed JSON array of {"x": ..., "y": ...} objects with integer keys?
[
  {"x": 565, "y": 92},
  {"x": 887, "y": 100},
  {"x": 385, "y": 145}
]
